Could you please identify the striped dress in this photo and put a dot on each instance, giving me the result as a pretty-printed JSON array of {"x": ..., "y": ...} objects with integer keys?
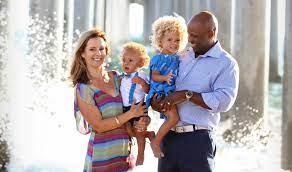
[{"x": 108, "y": 151}]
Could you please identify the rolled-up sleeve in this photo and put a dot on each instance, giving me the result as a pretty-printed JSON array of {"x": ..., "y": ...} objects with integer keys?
[{"x": 225, "y": 88}]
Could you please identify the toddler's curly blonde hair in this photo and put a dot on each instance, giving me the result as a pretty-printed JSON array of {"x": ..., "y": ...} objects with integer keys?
[
  {"x": 169, "y": 24},
  {"x": 140, "y": 52}
]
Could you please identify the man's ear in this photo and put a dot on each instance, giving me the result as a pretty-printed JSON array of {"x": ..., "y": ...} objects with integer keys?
[{"x": 211, "y": 33}]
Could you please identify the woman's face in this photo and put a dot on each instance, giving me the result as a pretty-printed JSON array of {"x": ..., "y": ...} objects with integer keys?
[{"x": 94, "y": 52}]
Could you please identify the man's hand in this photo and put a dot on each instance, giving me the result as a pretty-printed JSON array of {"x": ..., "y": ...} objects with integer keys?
[
  {"x": 172, "y": 99},
  {"x": 156, "y": 104},
  {"x": 164, "y": 104}
]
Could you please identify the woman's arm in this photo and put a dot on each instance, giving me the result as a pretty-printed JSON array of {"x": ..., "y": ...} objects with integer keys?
[{"x": 93, "y": 116}]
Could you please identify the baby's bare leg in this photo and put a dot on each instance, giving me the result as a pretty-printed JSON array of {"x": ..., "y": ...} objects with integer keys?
[
  {"x": 172, "y": 119},
  {"x": 141, "y": 147}
]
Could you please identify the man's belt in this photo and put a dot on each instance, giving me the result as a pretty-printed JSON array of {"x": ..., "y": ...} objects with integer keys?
[{"x": 188, "y": 128}]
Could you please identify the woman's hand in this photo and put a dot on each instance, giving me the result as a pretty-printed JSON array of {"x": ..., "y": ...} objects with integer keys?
[
  {"x": 143, "y": 123},
  {"x": 138, "y": 110}
]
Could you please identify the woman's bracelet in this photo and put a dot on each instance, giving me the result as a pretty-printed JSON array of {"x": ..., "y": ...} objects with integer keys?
[{"x": 117, "y": 120}]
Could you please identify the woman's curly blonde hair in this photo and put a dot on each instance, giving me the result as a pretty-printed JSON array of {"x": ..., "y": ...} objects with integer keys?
[
  {"x": 169, "y": 24},
  {"x": 139, "y": 50}
]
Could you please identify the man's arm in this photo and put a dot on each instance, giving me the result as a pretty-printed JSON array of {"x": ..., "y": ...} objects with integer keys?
[{"x": 179, "y": 97}]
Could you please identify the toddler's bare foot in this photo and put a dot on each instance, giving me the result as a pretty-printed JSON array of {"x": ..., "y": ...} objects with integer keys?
[
  {"x": 156, "y": 149},
  {"x": 139, "y": 160}
]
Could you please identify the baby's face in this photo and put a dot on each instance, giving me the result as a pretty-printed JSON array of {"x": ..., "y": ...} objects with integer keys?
[{"x": 130, "y": 62}]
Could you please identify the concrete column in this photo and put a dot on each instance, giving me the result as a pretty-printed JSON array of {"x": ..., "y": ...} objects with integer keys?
[
  {"x": 287, "y": 93},
  {"x": 68, "y": 25},
  {"x": 149, "y": 18},
  {"x": 4, "y": 149},
  {"x": 180, "y": 7},
  {"x": 223, "y": 13},
  {"x": 83, "y": 15},
  {"x": 99, "y": 14},
  {"x": 117, "y": 20},
  {"x": 164, "y": 7},
  {"x": 250, "y": 47},
  {"x": 274, "y": 54},
  {"x": 3, "y": 46}
]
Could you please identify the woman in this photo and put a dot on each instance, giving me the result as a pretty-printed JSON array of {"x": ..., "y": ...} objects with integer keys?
[{"x": 98, "y": 106}]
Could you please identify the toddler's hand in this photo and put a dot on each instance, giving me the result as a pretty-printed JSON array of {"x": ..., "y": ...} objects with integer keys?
[
  {"x": 138, "y": 80},
  {"x": 169, "y": 77}
]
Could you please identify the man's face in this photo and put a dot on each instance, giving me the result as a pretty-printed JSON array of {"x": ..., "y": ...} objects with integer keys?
[{"x": 198, "y": 37}]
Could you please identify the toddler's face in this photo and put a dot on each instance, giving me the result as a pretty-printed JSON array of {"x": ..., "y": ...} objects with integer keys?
[
  {"x": 170, "y": 42},
  {"x": 130, "y": 62}
]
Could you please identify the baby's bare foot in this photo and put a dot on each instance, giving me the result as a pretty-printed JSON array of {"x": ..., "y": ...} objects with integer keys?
[{"x": 156, "y": 149}]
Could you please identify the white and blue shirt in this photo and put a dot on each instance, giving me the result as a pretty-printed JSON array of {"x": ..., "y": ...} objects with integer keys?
[
  {"x": 216, "y": 76},
  {"x": 136, "y": 93}
]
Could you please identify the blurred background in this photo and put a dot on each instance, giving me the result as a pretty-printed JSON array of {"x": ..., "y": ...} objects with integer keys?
[{"x": 37, "y": 126}]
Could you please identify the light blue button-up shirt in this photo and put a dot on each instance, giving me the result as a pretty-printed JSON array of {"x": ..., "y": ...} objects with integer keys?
[{"x": 216, "y": 76}]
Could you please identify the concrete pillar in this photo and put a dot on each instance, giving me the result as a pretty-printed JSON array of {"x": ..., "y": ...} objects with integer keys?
[
  {"x": 3, "y": 46},
  {"x": 164, "y": 7},
  {"x": 287, "y": 93},
  {"x": 191, "y": 9},
  {"x": 274, "y": 53},
  {"x": 117, "y": 20},
  {"x": 83, "y": 15},
  {"x": 223, "y": 13},
  {"x": 68, "y": 25},
  {"x": 4, "y": 149},
  {"x": 99, "y": 14},
  {"x": 149, "y": 18},
  {"x": 180, "y": 7},
  {"x": 250, "y": 47}
]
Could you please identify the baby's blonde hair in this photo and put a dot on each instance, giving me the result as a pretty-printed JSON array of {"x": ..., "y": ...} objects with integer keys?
[
  {"x": 168, "y": 24},
  {"x": 138, "y": 49}
]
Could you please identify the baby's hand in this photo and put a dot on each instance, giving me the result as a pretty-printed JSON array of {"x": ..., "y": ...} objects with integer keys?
[
  {"x": 169, "y": 77},
  {"x": 138, "y": 80}
]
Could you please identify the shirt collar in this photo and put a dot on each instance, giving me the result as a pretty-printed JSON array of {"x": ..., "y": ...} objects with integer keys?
[
  {"x": 215, "y": 51},
  {"x": 130, "y": 75}
]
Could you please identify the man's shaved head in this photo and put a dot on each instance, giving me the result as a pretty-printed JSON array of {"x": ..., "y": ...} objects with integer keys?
[
  {"x": 202, "y": 30},
  {"x": 207, "y": 19}
]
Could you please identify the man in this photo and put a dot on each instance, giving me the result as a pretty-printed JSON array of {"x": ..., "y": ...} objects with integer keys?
[{"x": 206, "y": 85}]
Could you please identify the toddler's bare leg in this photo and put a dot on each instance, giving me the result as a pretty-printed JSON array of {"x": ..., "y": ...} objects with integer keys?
[{"x": 172, "y": 119}]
